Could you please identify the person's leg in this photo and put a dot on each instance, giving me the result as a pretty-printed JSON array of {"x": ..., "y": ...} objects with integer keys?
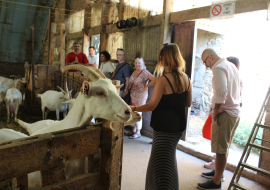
[
  {"x": 136, "y": 128},
  {"x": 220, "y": 165}
]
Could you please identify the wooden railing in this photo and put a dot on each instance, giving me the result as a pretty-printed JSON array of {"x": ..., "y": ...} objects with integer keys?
[{"x": 48, "y": 153}]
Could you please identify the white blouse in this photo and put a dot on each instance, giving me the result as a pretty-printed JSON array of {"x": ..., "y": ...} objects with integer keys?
[{"x": 107, "y": 69}]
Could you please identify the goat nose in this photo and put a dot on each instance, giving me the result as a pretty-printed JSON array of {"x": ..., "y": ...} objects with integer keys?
[
  {"x": 138, "y": 114},
  {"x": 127, "y": 112}
]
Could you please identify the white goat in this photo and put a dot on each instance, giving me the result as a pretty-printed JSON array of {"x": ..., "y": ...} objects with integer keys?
[
  {"x": 34, "y": 127},
  {"x": 52, "y": 100},
  {"x": 99, "y": 100},
  {"x": 34, "y": 180},
  {"x": 13, "y": 100},
  {"x": 11, "y": 84},
  {"x": 4, "y": 80}
]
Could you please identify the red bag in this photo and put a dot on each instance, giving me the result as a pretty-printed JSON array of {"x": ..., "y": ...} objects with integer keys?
[{"x": 206, "y": 131}]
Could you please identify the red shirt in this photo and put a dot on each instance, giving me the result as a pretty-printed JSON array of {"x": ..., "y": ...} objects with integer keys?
[{"x": 72, "y": 56}]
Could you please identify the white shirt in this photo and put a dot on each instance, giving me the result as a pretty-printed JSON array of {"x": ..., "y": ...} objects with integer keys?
[
  {"x": 226, "y": 87},
  {"x": 93, "y": 60},
  {"x": 107, "y": 69}
]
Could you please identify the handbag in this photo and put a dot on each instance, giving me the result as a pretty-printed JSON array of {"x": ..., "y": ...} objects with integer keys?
[{"x": 127, "y": 98}]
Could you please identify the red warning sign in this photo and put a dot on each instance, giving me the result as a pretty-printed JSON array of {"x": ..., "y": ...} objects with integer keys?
[{"x": 216, "y": 10}]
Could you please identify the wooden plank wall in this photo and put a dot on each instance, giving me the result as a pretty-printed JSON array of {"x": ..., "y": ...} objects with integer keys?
[{"x": 48, "y": 153}]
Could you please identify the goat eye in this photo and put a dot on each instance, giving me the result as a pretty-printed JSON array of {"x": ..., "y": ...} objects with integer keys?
[{"x": 100, "y": 93}]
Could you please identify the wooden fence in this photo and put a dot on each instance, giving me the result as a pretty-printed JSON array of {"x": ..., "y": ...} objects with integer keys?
[{"x": 48, "y": 153}]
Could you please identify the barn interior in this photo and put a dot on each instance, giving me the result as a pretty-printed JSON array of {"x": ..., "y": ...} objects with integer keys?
[{"x": 37, "y": 35}]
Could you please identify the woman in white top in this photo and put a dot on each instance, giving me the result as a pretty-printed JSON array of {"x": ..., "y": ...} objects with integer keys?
[{"x": 106, "y": 67}]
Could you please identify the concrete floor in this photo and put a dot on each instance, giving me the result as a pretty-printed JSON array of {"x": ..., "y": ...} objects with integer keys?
[{"x": 135, "y": 159}]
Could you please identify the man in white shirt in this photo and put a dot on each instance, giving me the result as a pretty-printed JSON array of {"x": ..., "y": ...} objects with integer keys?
[
  {"x": 93, "y": 58},
  {"x": 225, "y": 111}
]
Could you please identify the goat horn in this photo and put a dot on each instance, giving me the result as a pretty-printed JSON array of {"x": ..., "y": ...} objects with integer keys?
[
  {"x": 66, "y": 87},
  {"x": 61, "y": 89},
  {"x": 14, "y": 76},
  {"x": 92, "y": 75},
  {"x": 98, "y": 71}
]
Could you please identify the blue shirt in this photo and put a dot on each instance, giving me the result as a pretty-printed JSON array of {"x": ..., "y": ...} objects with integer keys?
[{"x": 122, "y": 73}]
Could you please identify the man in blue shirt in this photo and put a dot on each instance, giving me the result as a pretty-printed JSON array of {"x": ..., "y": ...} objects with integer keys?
[{"x": 122, "y": 72}]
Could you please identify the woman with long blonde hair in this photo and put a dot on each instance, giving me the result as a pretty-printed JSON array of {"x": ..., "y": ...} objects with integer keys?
[{"x": 172, "y": 94}]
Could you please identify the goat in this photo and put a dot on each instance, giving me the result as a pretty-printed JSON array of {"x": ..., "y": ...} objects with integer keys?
[
  {"x": 13, "y": 100},
  {"x": 34, "y": 180},
  {"x": 4, "y": 80},
  {"x": 34, "y": 127},
  {"x": 52, "y": 100},
  {"x": 11, "y": 84},
  {"x": 99, "y": 99}
]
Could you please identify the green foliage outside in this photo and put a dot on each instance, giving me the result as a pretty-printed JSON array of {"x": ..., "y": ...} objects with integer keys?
[{"x": 243, "y": 131}]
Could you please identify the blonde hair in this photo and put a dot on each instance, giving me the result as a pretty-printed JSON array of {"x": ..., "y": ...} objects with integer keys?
[
  {"x": 170, "y": 59},
  {"x": 140, "y": 59}
]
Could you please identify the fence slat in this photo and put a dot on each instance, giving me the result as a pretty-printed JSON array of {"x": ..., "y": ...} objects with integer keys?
[
  {"x": 111, "y": 155},
  {"x": 52, "y": 176},
  {"x": 82, "y": 182},
  {"x": 20, "y": 183},
  {"x": 48, "y": 151}
]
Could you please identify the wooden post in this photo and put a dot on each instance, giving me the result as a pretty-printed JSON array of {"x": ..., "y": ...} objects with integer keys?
[
  {"x": 52, "y": 42},
  {"x": 111, "y": 155},
  {"x": 121, "y": 10},
  {"x": 62, "y": 45},
  {"x": 165, "y": 27},
  {"x": 104, "y": 20},
  {"x": 86, "y": 27}
]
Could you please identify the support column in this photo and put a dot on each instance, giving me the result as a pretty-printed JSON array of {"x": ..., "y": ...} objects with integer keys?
[
  {"x": 86, "y": 27},
  {"x": 52, "y": 42},
  {"x": 166, "y": 32},
  {"x": 104, "y": 20},
  {"x": 62, "y": 45}
]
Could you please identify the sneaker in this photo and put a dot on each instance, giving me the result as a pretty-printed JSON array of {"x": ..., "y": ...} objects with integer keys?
[
  {"x": 210, "y": 175},
  {"x": 209, "y": 184},
  {"x": 210, "y": 165}
]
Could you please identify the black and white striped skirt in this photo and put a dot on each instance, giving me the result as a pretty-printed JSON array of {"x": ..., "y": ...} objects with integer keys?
[{"x": 162, "y": 170}]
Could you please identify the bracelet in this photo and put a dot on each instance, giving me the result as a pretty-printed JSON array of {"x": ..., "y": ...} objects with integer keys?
[{"x": 134, "y": 108}]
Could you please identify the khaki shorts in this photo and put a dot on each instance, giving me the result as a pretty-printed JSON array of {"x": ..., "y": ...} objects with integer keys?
[{"x": 222, "y": 132}]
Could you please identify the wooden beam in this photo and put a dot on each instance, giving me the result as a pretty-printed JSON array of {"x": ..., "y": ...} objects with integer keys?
[
  {"x": 62, "y": 45},
  {"x": 94, "y": 31},
  {"x": 52, "y": 42},
  {"x": 104, "y": 21},
  {"x": 81, "y": 182},
  {"x": 47, "y": 151},
  {"x": 241, "y": 6},
  {"x": 165, "y": 27},
  {"x": 111, "y": 155},
  {"x": 86, "y": 27},
  {"x": 75, "y": 35},
  {"x": 121, "y": 10}
]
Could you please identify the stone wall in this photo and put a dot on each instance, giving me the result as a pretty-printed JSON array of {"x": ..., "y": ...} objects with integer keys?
[{"x": 202, "y": 84}]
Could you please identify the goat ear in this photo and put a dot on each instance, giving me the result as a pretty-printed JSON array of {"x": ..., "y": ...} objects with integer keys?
[
  {"x": 118, "y": 86},
  {"x": 86, "y": 88}
]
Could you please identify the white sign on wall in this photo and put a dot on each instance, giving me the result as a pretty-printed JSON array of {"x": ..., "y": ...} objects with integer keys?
[{"x": 222, "y": 10}]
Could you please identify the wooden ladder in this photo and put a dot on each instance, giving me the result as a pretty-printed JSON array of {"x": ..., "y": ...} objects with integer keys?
[{"x": 250, "y": 144}]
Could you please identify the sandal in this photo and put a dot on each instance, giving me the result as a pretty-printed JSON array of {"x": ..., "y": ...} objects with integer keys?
[
  {"x": 129, "y": 133},
  {"x": 135, "y": 136}
]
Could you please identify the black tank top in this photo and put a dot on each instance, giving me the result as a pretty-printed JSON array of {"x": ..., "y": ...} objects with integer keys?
[{"x": 169, "y": 115}]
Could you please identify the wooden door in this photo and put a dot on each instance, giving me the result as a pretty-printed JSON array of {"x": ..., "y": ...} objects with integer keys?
[{"x": 185, "y": 36}]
